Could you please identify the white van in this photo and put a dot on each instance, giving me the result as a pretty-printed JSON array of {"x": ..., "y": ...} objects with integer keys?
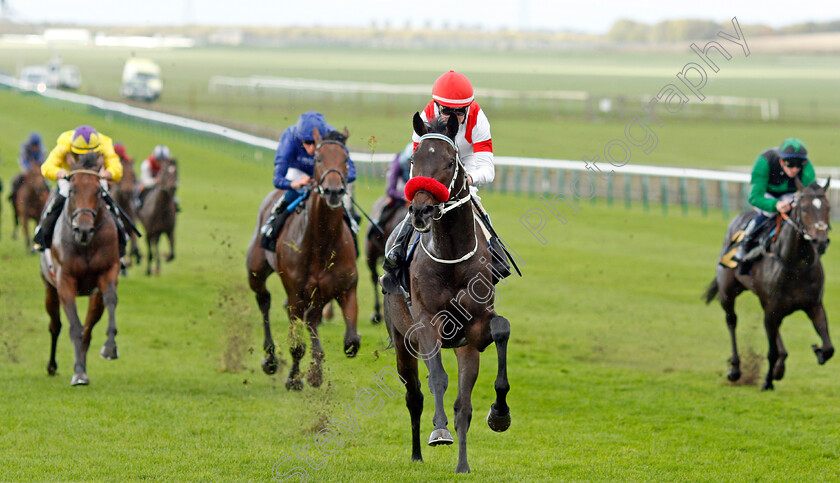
[{"x": 141, "y": 80}]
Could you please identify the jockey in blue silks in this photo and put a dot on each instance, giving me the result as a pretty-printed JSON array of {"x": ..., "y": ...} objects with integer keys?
[{"x": 294, "y": 166}]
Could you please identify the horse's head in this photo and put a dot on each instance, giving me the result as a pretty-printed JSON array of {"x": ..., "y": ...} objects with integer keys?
[
  {"x": 84, "y": 198},
  {"x": 811, "y": 212},
  {"x": 331, "y": 166},
  {"x": 169, "y": 175},
  {"x": 436, "y": 170}
]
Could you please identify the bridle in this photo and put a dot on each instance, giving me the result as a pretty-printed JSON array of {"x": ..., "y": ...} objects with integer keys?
[
  {"x": 331, "y": 170},
  {"x": 453, "y": 201},
  {"x": 81, "y": 211},
  {"x": 797, "y": 224}
]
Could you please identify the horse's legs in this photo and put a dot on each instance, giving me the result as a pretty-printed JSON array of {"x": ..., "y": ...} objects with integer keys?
[
  {"x": 157, "y": 254},
  {"x": 95, "y": 309},
  {"x": 438, "y": 382},
  {"x": 296, "y": 347},
  {"x": 150, "y": 252},
  {"x": 730, "y": 288},
  {"x": 67, "y": 296},
  {"x": 407, "y": 368},
  {"x": 728, "y": 304},
  {"x": 820, "y": 321},
  {"x": 350, "y": 309},
  {"x": 779, "y": 369},
  {"x": 468, "y": 363},
  {"x": 54, "y": 311},
  {"x": 108, "y": 287},
  {"x": 170, "y": 235},
  {"x": 313, "y": 319},
  {"x": 374, "y": 278},
  {"x": 772, "y": 321},
  {"x": 135, "y": 250},
  {"x": 257, "y": 275},
  {"x": 499, "y": 416}
]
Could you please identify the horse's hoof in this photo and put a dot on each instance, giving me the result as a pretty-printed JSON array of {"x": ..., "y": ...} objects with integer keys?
[
  {"x": 169, "y": 258},
  {"x": 767, "y": 386},
  {"x": 376, "y": 319},
  {"x": 778, "y": 372},
  {"x": 109, "y": 353},
  {"x": 51, "y": 368},
  {"x": 351, "y": 350},
  {"x": 822, "y": 354},
  {"x": 294, "y": 384},
  {"x": 440, "y": 436},
  {"x": 462, "y": 468},
  {"x": 269, "y": 365},
  {"x": 498, "y": 422},
  {"x": 733, "y": 374},
  {"x": 314, "y": 377},
  {"x": 79, "y": 380},
  {"x": 417, "y": 457}
]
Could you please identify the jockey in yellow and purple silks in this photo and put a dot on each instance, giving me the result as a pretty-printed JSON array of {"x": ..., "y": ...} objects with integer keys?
[{"x": 78, "y": 141}]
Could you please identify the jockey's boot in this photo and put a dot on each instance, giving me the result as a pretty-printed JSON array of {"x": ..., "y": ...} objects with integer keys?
[
  {"x": 353, "y": 223},
  {"x": 747, "y": 244},
  {"x": 122, "y": 235},
  {"x": 500, "y": 265},
  {"x": 42, "y": 238},
  {"x": 395, "y": 257},
  {"x": 271, "y": 229}
]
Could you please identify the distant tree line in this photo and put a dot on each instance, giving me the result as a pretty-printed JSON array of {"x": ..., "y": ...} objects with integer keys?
[{"x": 625, "y": 30}]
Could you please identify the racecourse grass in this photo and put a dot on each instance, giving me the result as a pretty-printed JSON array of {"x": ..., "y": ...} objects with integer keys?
[{"x": 616, "y": 366}]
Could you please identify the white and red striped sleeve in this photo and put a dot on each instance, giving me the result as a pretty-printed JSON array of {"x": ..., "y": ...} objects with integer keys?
[{"x": 480, "y": 164}]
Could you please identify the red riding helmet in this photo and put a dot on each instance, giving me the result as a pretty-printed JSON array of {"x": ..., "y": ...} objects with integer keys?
[{"x": 452, "y": 90}]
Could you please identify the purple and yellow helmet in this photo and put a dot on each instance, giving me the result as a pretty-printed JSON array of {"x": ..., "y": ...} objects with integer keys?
[{"x": 85, "y": 138}]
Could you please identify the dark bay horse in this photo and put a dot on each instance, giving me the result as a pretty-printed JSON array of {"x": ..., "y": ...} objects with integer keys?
[
  {"x": 85, "y": 259},
  {"x": 789, "y": 277},
  {"x": 158, "y": 213},
  {"x": 315, "y": 258},
  {"x": 394, "y": 213},
  {"x": 28, "y": 201},
  {"x": 451, "y": 293},
  {"x": 123, "y": 194}
]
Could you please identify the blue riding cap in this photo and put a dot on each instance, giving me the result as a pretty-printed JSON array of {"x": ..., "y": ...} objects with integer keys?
[
  {"x": 34, "y": 138},
  {"x": 307, "y": 122}
]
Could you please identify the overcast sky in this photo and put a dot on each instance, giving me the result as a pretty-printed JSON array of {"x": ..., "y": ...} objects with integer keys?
[{"x": 575, "y": 15}]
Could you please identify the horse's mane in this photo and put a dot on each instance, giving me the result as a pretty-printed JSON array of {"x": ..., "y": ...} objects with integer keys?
[
  {"x": 335, "y": 136},
  {"x": 88, "y": 160},
  {"x": 437, "y": 125}
]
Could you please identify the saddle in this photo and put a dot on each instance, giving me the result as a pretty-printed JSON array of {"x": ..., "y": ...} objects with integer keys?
[
  {"x": 402, "y": 273},
  {"x": 765, "y": 237}
]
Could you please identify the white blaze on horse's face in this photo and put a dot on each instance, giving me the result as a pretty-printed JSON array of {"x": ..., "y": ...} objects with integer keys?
[
  {"x": 817, "y": 203},
  {"x": 431, "y": 149}
]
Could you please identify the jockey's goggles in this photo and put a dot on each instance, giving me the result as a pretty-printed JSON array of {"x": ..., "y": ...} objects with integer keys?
[{"x": 448, "y": 111}]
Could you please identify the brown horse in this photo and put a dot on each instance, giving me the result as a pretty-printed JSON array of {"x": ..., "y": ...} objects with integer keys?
[
  {"x": 123, "y": 194},
  {"x": 28, "y": 201},
  {"x": 158, "y": 213},
  {"x": 316, "y": 259},
  {"x": 86, "y": 262},
  {"x": 789, "y": 277},
  {"x": 388, "y": 213},
  {"x": 451, "y": 294}
]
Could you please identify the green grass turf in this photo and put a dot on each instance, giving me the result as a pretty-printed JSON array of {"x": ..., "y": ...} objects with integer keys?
[{"x": 616, "y": 366}]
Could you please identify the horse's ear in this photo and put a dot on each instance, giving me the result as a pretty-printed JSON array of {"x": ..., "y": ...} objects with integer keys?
[
  {"x": 317, "y": 135},
  {"x": 346, "y": 134},
  {"x": 799, "y": 185},
  {"x": 827, "y": 182},
  {"x": 419, "y": 125},
  {"x": 100, "y": 161},
  {"x": 452, "y": 127},
  {"x": 70, "y": 160}
]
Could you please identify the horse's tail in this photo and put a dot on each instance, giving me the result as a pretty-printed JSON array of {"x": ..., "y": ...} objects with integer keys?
[{"x": 711, "y": 291}]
